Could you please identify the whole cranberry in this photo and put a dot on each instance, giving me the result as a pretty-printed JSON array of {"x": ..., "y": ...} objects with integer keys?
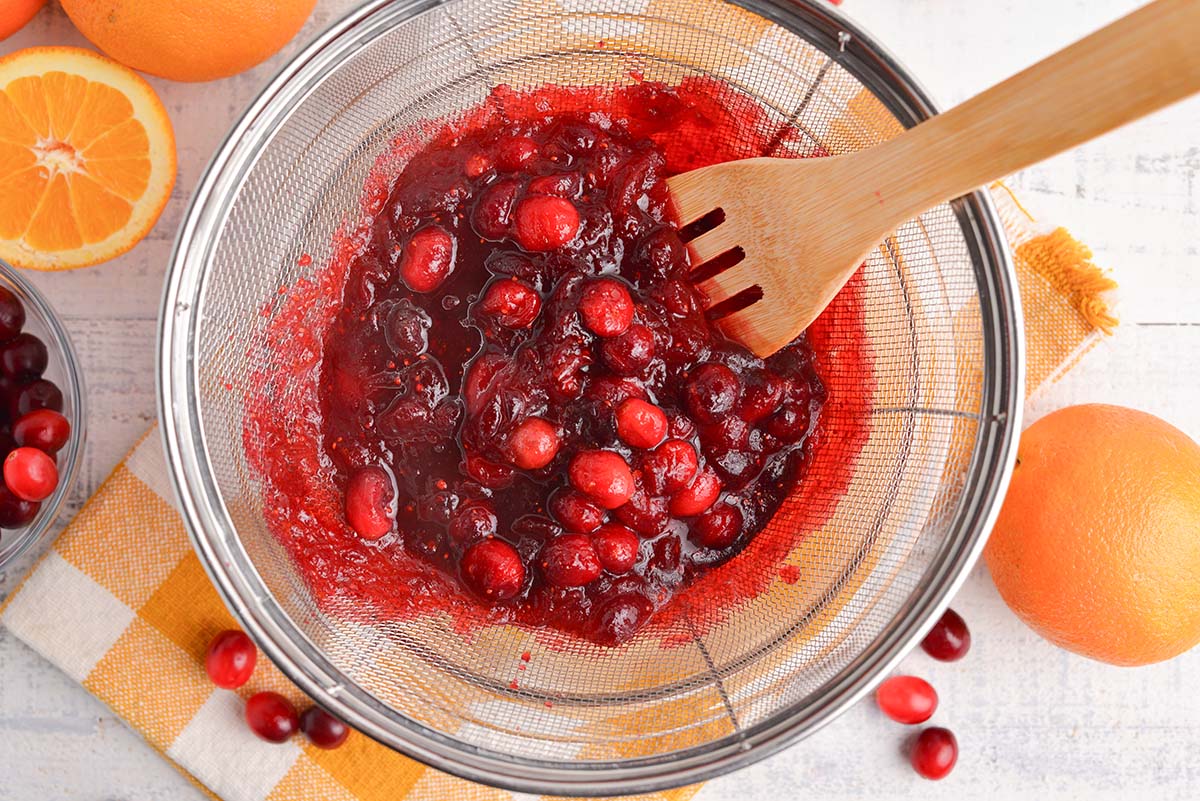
[
  {"x": 472, "y": 523},
  {"x": 761, "y": 396},
  {"x": 12, "y": 315},
  {"x": 545, "y": 222},
  {"x": 907, "y": 699},
  {"x": 574, "y": 511},
  {"x": 617, "y": 547},
  {"x": 789, "y": 424},
  {"x": 24, "y": 357},
  {"x": 16, "y": 512},
  {"x": 670, "y": 467},
  {"x": 718, "y": 527},
  {"x": 630, "y": 352},
  {"x": 37, "y": 394},
  {"x": 533, "y": 443},
  {"x": 606, "y": 307},
  {"x": 711, "y": 392},
  {"x": 271, "y": 716},
  {"x": 370, "y": 502},
  {"x": 640, "y": 424},
  {"x": 949, "y": 639},
  {"x": 619, "y": 619},
  {"x": 644, "y": 513},
  {"x": 230, "y": 659},
  {"x": 427, "y": 259},
  {"x": 493, "y": 569},
  {"x": 511, "y": 303},
  {"x": 698, "y": 496},
  {"x": 603, "y": 476},
  {"x": 935, "y": 753},
  {"x": 660, "y": 254},
  {"x": 323, "y": 729},
  {"x": 570, "y": 560},
  {"x": 30, "y": 474},
  {"x": 44, "y": 429},
  {"x": 493, "y": 212},
  {"x": 515, "y": 153}
]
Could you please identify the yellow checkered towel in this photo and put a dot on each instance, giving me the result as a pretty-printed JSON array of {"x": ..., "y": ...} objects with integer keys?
[{"x": 122, "y": 604}]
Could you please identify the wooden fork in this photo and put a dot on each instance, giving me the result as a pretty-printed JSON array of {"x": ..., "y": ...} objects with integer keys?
[{"x": 801, "y": 227}]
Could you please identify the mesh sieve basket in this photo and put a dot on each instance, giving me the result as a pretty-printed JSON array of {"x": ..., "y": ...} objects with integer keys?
[{"x": 683, "y": 701}]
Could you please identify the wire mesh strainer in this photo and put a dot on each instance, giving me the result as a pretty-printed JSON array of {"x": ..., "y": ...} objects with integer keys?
[{"x": 672, "y": 706}]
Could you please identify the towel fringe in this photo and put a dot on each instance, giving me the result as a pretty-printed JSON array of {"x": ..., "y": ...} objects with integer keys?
[{"x": 1067, "y": 264}]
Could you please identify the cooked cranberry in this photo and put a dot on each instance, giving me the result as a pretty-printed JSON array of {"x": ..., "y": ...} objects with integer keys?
[
  {"x": 727, "y": 434},
  {"x": 907, "y": 699},
  {"x": 640, "y": 424},
  {"x": 565, "y": 366},
  {"x": 606, "y": 307},
  {"x": 629, "y": 353},
  {"x": 512, "y": 303},
  {"x": 476, "y": 165},
  {"x": 516, "y": 153},
  {"x": 12, "y": 315},
  {"x": 30, "y": 474},
  {"x": 44, "y": 429},
  {"x": 478, "y": 379},
  {"x": 612, "y": 392},
  {"x": 545, "y": 222},
  {"x": 370, "y": 502},
  {"x": 16, "y": 512},
  {"x": 949, "y": 639},
  {"x": 493, "y": 212},
  {"x": 564, "y": 184},
  {"x": 617, "y": 547},
  {"x": 407, "y": 329},
  {"x": 761, "y": 396},
  {"x": 644, "y": 513},
  {"x": 493, "y": 569},
  {"x": 323, "y": 729},
  {"x": 427, "y": 259},
  {"x": 37, "y": 394},
  {"x": 492, "y": 475},
  {"x": 570, "y": 560},
  {"x": 666, "y": 554},
  {"x": 660, "y": 253},
  {"x": 473, "y": 522},
  {"x": 603, "y": 476},
  {"x": 619, "y": 619},
  {"x": 935, "y": 753},
  {"x": 718, "y": 527},
  {"x": 575, "y": 512},
  {"x": 533, "y": 443},
  {"x": 698, "y": 496},
  {"x": 711, "y": 392},
  {"x": 789, "y": 424},
  {"x": 272, "y": 717},
  {"x": 230, "y": 659},
  {"x": 670, "y": 467}
]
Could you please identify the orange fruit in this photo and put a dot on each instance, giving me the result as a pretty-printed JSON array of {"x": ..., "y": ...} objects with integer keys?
[
  {"x": 189, "y": 40},
  {"x": 1097, "y": 546},
  {"x": 15, "y": 13},
  {"x": 87, "y": 158}
]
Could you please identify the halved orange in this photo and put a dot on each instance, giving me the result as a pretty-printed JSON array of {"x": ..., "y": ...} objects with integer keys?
[{"x": 87, "y": 158}]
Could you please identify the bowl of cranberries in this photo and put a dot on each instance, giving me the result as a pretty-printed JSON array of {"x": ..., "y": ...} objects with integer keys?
[{"x": 41, "y": 414}]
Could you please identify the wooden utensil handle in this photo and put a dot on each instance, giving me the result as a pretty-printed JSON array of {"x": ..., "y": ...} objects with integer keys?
[{"x": 1136, "y": 65}]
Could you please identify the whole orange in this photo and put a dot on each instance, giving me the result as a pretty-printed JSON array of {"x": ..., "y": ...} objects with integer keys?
[
  {"x": 1097, "y": 546},
  {"x": 15, "y": 13},
  {"x": 189, "y": 40}
]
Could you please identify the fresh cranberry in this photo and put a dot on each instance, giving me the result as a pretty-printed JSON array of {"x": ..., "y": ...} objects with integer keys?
[
  {"x": 493, "y": 569},
  {"x": 575, "y": 512},
  {"x": 30, "y": 474},
  {"x": 545, "y": 222},
  {"x": 711, "y": 392},
  {"x": 272, "y": 717},
  {"x": 12, "y": 315},
  {"x": 427, "y": 259},
  {"x": 629, "y": 353},
  {"x": 698, "y": 496},
  {"x": 570, "y": 560},
  {"x": 24, "y": 357},
  {"x": 493, "y": 212},
  {"x": 606, "y": 307},
  {"x": 230, "y": 659},
  {"x": 718, "y": 527},
  {"x": 935, "y": 753},
  {"x": 472, "y": 523},
  {"x": 907, "y": 699},
  {"x": 44, "y": 429},
  {"x": 640, "y": 424},
  {"x": 789, "y": 424},
  {"x": 16, "y": 512},
  {"x": 603, "y": 476},
  {"x": 949, "y": 639},
  {"x": 370, "y": 502},
  {"x": 516, "y": 153},
  {"x": 761, "y": 396},
  {"x": 617, "y": 547},
  {"x": 670, "y": 467},
  {"x": 512, "y": 303},
  {"x": 565, "y": 184},
  {"x": 323, "y": 729},
  {"x": 533, "y": 443},
  {"x": 37, "y": 394}
]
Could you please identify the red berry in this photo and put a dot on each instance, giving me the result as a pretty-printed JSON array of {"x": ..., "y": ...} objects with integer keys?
[
  {"x": 23, "y": 357},
  {"x": 670, "y": 467},
  {"x": 323, "y": 729},
  {"x": 516, "y": 153},
  {"x": 545, "y": 222},
  {"x": 44, "y": 429},
  {"x": 38, "y": 394},
  {"x": 16, "y": 512},
  {"x": 370, "y": 502},
  {"x": 271, "y": 716},
  {"x": 694, "y": 499},
  {"x": 907, "y": 699},
  {"x": 711, "y": 392},
  {"x": 761, "y": 396},
  {"x": 512, "y": 303},
  {"x": 718, "y": 527},
  {"x": 949, "y": 639},
  {"x": 935, "y": 753},
  {"x": 476, "y": 165},
  {"x": 533, "y": 443},
  {"x": 629, "y": 353},
  {"x": 640, "y": 424},
  {"x": 570, "y": 560},
  {"x": 493, "y": 569},
  {"x": 788, "y": 424},
  {"x": 563, "y": 184},
  {"x": 606, "y": 307},
  {"x": 492, "y": 475},
  {"x": 617, "y": 547},
  {"x": 230, "y": 659},
  {"x": 575, "y": 512},
  {"x": 30, "y": 474},
  {"x": 478, "y": 380},
  {"x": 603, "y": 476},
  {"x": 427, "y": 259},
  {"x": 472, "y": 523},
  {"x": 493, "y": 212},
  {"x": 12, "y": 315}
]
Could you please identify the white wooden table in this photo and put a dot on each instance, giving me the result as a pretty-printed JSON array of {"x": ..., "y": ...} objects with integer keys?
[{"x": 1032, "y": 721}]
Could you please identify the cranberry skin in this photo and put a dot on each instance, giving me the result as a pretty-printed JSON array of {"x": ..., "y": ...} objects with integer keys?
[
  {"x": 407, "y": 329},
  {"x": 619, "y": 619},
  {"x": 30, "y": 474},
  {"x": 789, "y": 424},
  {"x": 617, "y": 547},
  {"x": 629, "y": 353},
  {"x": 472, "y": 523},
  {"x": 545, "y": 222},
  {"x": 493, "y": 212},
  {"x": 37, "y": 394},
  {"x": 230, "y": 659},
  {"x": 907, "y": 699},
  {"x": 533, "y": 443},
  {"x": 606, "y": 307},
  {"x": 511, "y": 303},
  {"x": 660, "y": 254},
  {"x": 640, "y": 424},
  {"x": 761, "y": 397},
  {"x": 370, "y": 507},
  {"x": 323, "y": 729},
  {"x": 694, "y": 499},
  {"x": 671, "y": 467},
  {"x": 16, "y": 512},
  {"x": 493, "y": 570},
  {"x": 949, "y": 639},
  {"x": 575, "y": 512},
  {"x": 23, "y": 357},
  {"x": 492, "y": 475},
  {"x": 564, "y": 184},
  {"x": 570, "y": 560},
  {"x": 711, "y": 392},
  {"x": 718, "y": 527},
  {"x": 272, "y": 717},
  {"x": 476, "y": 165},
  {"x": 12, "y": 315},
  {"x": 479, "y": 379},
  {"x": 427, "y": 259},
  {"x": 603, "y": 476},
  {"x": 44, "y": 429},
  {"x": 935, "y": 753}
]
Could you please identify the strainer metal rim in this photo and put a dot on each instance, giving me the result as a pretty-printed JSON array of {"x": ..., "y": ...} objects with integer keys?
[{"x": 215, "y": 538}]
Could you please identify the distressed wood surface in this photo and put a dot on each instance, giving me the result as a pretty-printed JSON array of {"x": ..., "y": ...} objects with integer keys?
[{"x": 1032, "y": 721}]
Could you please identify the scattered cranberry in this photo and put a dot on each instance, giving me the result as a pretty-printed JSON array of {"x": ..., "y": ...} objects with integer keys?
[
  {"x": 39, "y": 394},
  {"x": 44, "y": 429},
  {"x": 427, "y": 260},
  {"x": 545, "y": 222},
  {"x": 271, "y": 716},
  {"x": 949, "y": 639},
  {"x": 30, "y": 474},
  {"x": 617, "y": 547},
  {"x": 935, "y": 753},
  {"x": 606, "y": 307},
  {"x": 230, "y": 659},
  {"x": 12, "y": 315},
  {"x": 641, "y": 424},
  {"x": 907, "y": 699},
  {"x": 570, "y": 560},
  {"x": 516, "y": 153},
  {"x": 472, "y": 523},
  {"x": 493, "y": 212},
  {"x": 493, "y": 569},
  {"x": 711, "y": 392},
  {"x": 631, "y": 352},
  {"x": 788, "y": 424},
  {"x": 16, "y": 512},
  {"x": 694, "y": 499},
  {"x": 603, "y": 476},
  {"x": 575, "y": 512},
  {"x": 511, "y": 303},
  {"x": 718, "y": 527},
  {"x": 671, "y": 466},
  {"x": 533, "y": 443},
  {"x": 23, "y": 357},
  {"x": 323, "y": 729},
  {"x": 370, "y": 502}
]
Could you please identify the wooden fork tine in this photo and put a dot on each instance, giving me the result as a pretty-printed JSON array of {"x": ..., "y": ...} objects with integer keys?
[
  {"x": 723, "y": 286},
  {"x": 711, "y": 244},
  {"x": 756, "y": 327}
]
